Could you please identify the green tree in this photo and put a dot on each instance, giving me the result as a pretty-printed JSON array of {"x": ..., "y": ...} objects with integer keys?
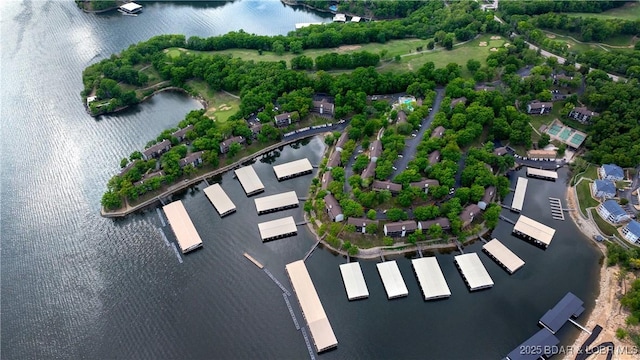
[
  {"x": 355, "y": 181},
  {"x": 544, "y": 140},
  {"x": 435, "y": 231},
  {"x": 111, "y": 200},
  {"x": 234, "y": 149},
  {"x": 123, "y": 163},
  {"x": 295, "y": 46},
  {"x": 395, "y": 214},
  {"x": 491, "y": 215},
  {"x": 387, "y": 241},
  {"x": 371, "y": 228},
  {"x": 371, "y": 214},
  {"x": 473, "y": 65},
  {"x": 278, "y": 47},
  {"x": 308, "y": 206}
]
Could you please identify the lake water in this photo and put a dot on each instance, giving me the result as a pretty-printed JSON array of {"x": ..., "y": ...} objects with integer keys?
[{"x": 75, "y": 285}]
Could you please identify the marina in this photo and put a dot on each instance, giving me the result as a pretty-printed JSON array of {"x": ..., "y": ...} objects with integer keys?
[
  {"x": 538, "y": 233},
  {"x": 312, "y": 309},
  {"x": 541, "y": 344},
  {"x": 432, "y": 281},
  {"x": 569, "y": 306},
  {"x": 277, "y": 202},
  {"x": 556, "y": 209},
  {"x": 277, "y": 229},
  {"x": 249, "y": 180},
  {"x": 518, "y": 197},
  {"x": 473, "y": 271},
  {"x": 392, "y": 279},
  {"x": 186, "y": 234},
  {"x": 542, "y": 174},
  {"x": 293, "y": 169},
  {"x": 220, "y": 200},
  {"x": 503, "y": 256},
  {"x": 353, "y": 280},
  {"x": 130, "y": 8}
]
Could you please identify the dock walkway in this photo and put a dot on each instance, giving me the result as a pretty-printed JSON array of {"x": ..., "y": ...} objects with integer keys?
[
  {"x": 311, "y": 250},
  {"x": 556, "y": 208},
  {"x": 269, "y": 274}
]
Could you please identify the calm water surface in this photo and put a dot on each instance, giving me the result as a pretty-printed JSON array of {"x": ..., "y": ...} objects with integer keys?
[{"x": 75, "y": 285}]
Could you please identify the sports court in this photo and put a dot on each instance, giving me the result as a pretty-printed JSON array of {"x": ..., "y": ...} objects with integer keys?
[{"x": 569, "y": 136}]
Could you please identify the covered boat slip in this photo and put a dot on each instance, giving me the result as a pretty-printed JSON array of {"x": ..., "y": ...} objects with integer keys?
[
  {"x": 431, "y": 279},
  {"x": 541, "y": 345},
  {"x": 542, "y": 174},
  {"x": 277, "y": 202},
  {"x": 292, "y": 169},
  {"x": 220, "y": 200},
  {"x": 186, "y": 234},
  {"x": 473, "y": 271},
  {"x": 392, "y": 279},
  {"x": 528, "y": 228},
  {"x": 130, "y": 8},
  {"x": 319, "y": 326},
  {"x": 277, "y": 229},
  {"x": 518, "y": 197},
  {"x": 354, "y": 281},
  {"x": 569, "y": 306},
  {"x": 503, "y": 256},
  {"x": 249, "y": 180}
]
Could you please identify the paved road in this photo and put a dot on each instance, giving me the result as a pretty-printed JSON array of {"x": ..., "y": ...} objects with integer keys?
[
  {"x": 348, "y": 169},
  {"x": 411, "y": 144}
]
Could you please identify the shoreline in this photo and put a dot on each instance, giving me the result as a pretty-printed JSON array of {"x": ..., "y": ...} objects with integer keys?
[{"x": 199, "y": 98}]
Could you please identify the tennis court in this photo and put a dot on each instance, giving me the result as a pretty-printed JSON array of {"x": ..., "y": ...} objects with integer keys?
[
  {"x": 554, "y": 129},
  {"x": 577, "y": 139},
  {"x": 564, "y": 135}
]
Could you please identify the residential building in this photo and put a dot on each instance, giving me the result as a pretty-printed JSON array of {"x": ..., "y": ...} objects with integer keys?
[
  {"x": 156, "y": 150},
  {"x": 369, "y": 171},
  {"x": 582, "y": 114},
  {"x": 438, "y": 132},
  {"x": 434, "y": 157},
  {"x": 611, "y": 172},
  {"x": 286, "y": 119},
  {"x": 375, "y": 150},
  {"x": 489, "y": 194},
  {"x": 456, "y": 101},
  {"x": 425, "y": 184},
  {"x": 604, "y": 189},
  {"x": 334, "y": 210},
  {"x": 402, "y": 117},
  {"x": 334, "y": 160},
  {"x": 469, "y": 213},
  {"x": 611, "y": 211},
  {"x": 341, "y": 141},
  {"x": 182, "y": 133},
  {"x": 542, "y": 154},
  {"x": 323, "y": 107},
  {"x": 361, "y": 223},
  {"x": 224, "y": 146},
  {"x": 327, "y": 178},
  {"x": 539, "y": 108},
  {"x": 400, "y": 228},
  {"x": 148, "y": 176},
  {"x": 500, "y": 151},
  {"x": 255, "y": 130},
  {"x": 386, "y": 185},
  {"x": 631, "y": 232},
  {"x": 194, "y": 159},
  {"x": 444, "y": 223}
]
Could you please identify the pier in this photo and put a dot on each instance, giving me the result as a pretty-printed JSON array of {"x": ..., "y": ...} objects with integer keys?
[
  {"x": 419, "y": 250},
  {"x": 249, "y": 180},
  {"x": 556, "y": 208},
  {"x": 518, "y": 197},
  {"x": 473, "y": 271},
  {"x": 538, "y": 233},
  {"x": 160, "y": 217},
  {"x": 430, "y": 278},
  {"x": 392, "y": 279},
  {"x": 220, "y": 200},
  {"x": 503, "y": 256},
  {"x": 277, "y": 202},
  {"x": 293, "y": 169},
  {"x": 254, "y": 261},
  {"x": 293, "y": 315},
  {"x": 569, "y": 306},
  {"x": 277, "y": 229},
  {"x": 186, "y": 233},
  {"x": 311, "y": 250},
  {"x": 353, "y": 280},
  {"x": 270, "y": 275},
  {"x": 504, "y": 218},
  {"x": 459, "y": 247}
]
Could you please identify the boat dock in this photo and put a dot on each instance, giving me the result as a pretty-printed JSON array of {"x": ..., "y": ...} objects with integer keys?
[
  {"x": 254, "y": 261},
  {"x": 319, "y": 326},
  {"x": 354, "y": 282},
  {"x": 504, "y": 218},
  {"x": 503, "y": 256},
  {"x": 541, "y": 345},
  {"x": 220, "y": 200},
  {"x": 130, "y": 8},
  {"x": 276, "y": 281},
  {"x": 277, "y": 229},
  {"x": 569, "y": 306},
  {"x": 556, "y": 208},
  {"x": 538, "y": 233},
  {"x": 293, "y": 315},
  {"x": 473, "y": 271},
  {"x": 249, "y": 180},
  {"x": 293, "y": 169},
  {"x": 430, "y": 277},
  {"x": 542, "y": 174},
  {"x": 186, "y": 233},
  {"x": 311, "y": 250},
  {"x": 277, "y": 202},
  {"x": 392, "y": 279},
  {"x": 518, "y": 196}
]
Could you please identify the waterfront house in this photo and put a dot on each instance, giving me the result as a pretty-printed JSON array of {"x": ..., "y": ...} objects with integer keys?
[
  {"x": 286, "y": 119},
  {"x": 327, "y": 178},
  {"x": 182, "y": 133},
  {"x": 604, "y": 189},
  {"x": 539, "y": 108},
  {"x": 334, "y": 160},
  {"x": 438, "y": 132},
  {"x": 334, "y": 210},
  {"x": 322, "y": 107},
  {"x": 375, "y": 150},
  {"x": 341, "y": 141},
  {"x": 611, "y": 172},
  {"x": 631, "y": 232},
  {"x": 386, "y": 185},
  {"x": 611, "y": 211},
  {"x": 456, "y": 101},
  {"x": 402, "y": 117},
  {"x": 369, "y": 171},
  {"x": 194, "y": 159},
  {"x": 127, "y": 168},
  {"x": 489, "y": 193},
  {"x": 156, "y": 150},
  {"x": 484, "y": 88},
  {"x": 444, "y": 223},
  {"x": 255, "y": 130},
  {"x": 500, "y": 151},
  {"x": 582, "y": 114},
  {"x": 468, "y": 214},
  {"x": 225, "y": 145},
  {"x": 425, "y": 184},
  {"x": 434, "y": 157},
  {"x": 361, "y": 223},
  {"x": 400, "y": 228},
  {"x": 148, "y": 176}
]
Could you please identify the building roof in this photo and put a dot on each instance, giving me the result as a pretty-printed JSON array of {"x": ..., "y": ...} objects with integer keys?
[
  {"x": 489, "y": 193},
  {"x": 327, "y": 178},
  {"x": 256, "y": 128},
  {"x": 547, "y": 174},
  {"x": 473, "y": 271},
  {"x": 407, "y": 225},
  {"x": 542, "y": 153},
  {"x": 606, "y": 186},
  {"x": 232, "y": 140},
  {"x": 484, "y": 88},
  {"x": 469, "y": 213},
  {"x": 283, "y": 116},
  {"x": 538, "y": 231},
  {"x": 277, "y": 228},
  {"x": 503, "y": 255},
  {"x": 613, "y": 208},
  {"x": 278, "y": 201},
  {"x": 584, "y": 111},
  {"x": 537, "y": 105},
  {"x": 186, "y": 233},
  {"x": 157, "y": 147},
  {"x": 375, "y": 149},
  {"x": 386, "y": 185},
  {"x": 148, "y": 176},
  {"x": 460, "y": 100},
  {"x": 613, "y": 170},
  {"x": 438, "y": 132},
  {"x": 219, "y": 199},
  {"x": 570, "y": 305},
  {"x": 292, "y": 168},
  {"x": 542, "y": 343},
  {"x": 425, "y": 183},
  {"x": 130, "y": 7},
  {"x": 191, "y": 158},
  {"x": 323, "y": 104},
  {"x": 354, "y": 281},
  {"x": 334, "y": 159},
  {"x": 434, "y": 157},
  {"x": 332, "y": 205},
  {"x": 342, "y": 140},
  {"x": 249, "y": 180},
  {"x": 500, "y": 151},
  {"x": 402, "y": 117},
  {"x": 361, "y": 221},
  {"x": 634, "y": 227},
  {"x": 392, "y": 279},
  {"x": 182, "y": 132},
  {"x": 430, "y": 277},
  {"x": 518, "y": 196},
  {"x": 442, "y": 221},
  {"x": 369, "y": 171}
]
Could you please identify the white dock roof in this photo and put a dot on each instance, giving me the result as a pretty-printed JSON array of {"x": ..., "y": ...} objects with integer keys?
[
  {"x": 249, "y": 180},
  {"x": 392, "y": 279},
  {"x": 131, "y": 7},
  {"x": 277, "y": 201},
  {"x": 542, "y": 173},
  {"x": 292, "y": 168},
  {"x": 220, "y": 199},
  {"x": 473, "y": 271},
  {"x": 354, "y": 281},
  {"x": 518, "y": 197},
  {"x": 277, "y": 228},
  {"x": 503, "y": 255},
  {"x": 319, "y": 326},
  {"x": 186, "y": 234},
  {"x": 431, "y": 279},
  {"x": 535, "y": 230}
]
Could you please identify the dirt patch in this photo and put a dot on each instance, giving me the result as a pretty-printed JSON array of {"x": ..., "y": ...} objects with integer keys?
[
  {"x": 349, "y": 47},
  {"x": 493, "y": 49},
  {"x": 551, "y": 36},
  {"x": 496, "y": 37},
  {"x": 482, "y": 43},
  {"x": 568, "y": 46}
]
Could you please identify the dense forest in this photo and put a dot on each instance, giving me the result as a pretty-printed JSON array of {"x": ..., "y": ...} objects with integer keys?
[
  {"x": 536, "y": 7},
  {"x": 371, "y": 9}
]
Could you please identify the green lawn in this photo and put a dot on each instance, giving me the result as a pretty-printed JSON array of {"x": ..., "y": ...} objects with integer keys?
[
  {"x": 611, "y": 43},
  {"x": 584, "y": 196},
  {"x": 604, "y": 226},
  {"x": 221, "y": 104},
  {"x": 538, "y": 120},
  {"x": 627, "y": 12},
  {"x": 591, "y": 172}
]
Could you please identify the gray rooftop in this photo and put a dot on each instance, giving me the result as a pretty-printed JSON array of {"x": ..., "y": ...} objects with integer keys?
[{"x": 569, "y": 306}]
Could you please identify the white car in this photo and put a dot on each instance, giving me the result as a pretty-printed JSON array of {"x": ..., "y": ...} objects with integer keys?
[
  {"x": 413, "y": 135},
  {"x": 451, "y": 191},
  {"x": 400, "y": 156}
]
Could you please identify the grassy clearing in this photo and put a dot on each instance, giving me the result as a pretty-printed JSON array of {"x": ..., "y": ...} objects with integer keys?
[
  {"x": 627, "y": 12},
  {"x": 604, "y": 226},
  {"x": 584, "y": 196},
  {"x": 221, "y": 105},
  {"x": 538, "y": 120},
  {"x": 611, "y": 43}
]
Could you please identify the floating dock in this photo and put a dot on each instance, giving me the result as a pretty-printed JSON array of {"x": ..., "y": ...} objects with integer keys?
[
  {"x": 473, "y": 271},
  {"x": 541, "y": 345},
  {"x": 392, "y": 279},
  {"x": 253, "y": 260},
  {"x": 542, "y": 174},
  {"x": 249, "y": 180},
  {"x": 278, "y": 229},
  {"x": 319, "y": 326},
  {"x": 518, "y": 197},
  {"x": 220, "y": 200},
  {"x": 569, "y": 306},
  {"x": 186, "y": 234},
  {"x": 503, "y": 256},
  {"x": 354, "y": 281},
  {"x": 293, "y": 169},
  {"x": 539, "y": 234},
  {"x": 431, "y": 279},
  {"x": 130, "y": 8},
  {"x": 277, "y": 202}
]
